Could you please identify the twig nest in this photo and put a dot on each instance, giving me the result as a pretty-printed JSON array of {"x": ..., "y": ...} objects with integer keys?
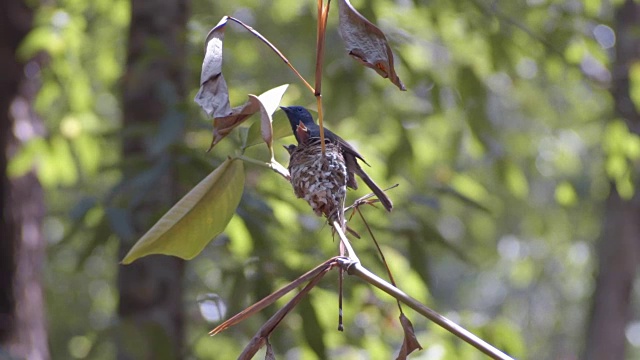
[{"x": 320, "y": 180}]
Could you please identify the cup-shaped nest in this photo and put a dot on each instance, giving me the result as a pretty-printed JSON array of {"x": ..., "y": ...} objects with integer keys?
[{"x": 320, "y": 180}]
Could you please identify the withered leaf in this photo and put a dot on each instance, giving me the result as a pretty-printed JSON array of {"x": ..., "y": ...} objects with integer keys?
[
  {"x": 222, "y": 126},
  {"x": 366, "y": 43},
  {"x": 410, "y": 343},
  {"x": 266, "y": 104},
  {"x": 213, "y": 96},
  {"x": 269, "y": 355}
]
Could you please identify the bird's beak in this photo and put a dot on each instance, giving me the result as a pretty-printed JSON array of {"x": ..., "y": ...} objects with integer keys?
[{"x": 284, "y": 108}]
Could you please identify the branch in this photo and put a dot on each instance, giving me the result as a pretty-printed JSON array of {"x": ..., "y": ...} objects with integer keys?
[
  {"x": 273, "y": 165},
  {"x": 323, "y": 15},
  {"x": 355, "y": 268},
  {"x": 265, "y": 331},
  {"x": 311, "y": 274}
]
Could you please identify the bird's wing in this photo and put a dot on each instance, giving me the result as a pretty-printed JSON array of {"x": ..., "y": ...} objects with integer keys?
[{"x": 346, "y": 147}]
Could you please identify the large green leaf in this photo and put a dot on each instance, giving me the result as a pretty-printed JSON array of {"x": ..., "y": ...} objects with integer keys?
[{"x": 197, "y": 218}]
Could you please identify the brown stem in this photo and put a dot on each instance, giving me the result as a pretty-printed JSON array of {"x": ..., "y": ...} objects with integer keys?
[
  {"x": 261, "y": 336},
  {"x": 272, "y": 47},
  {"x": 273, "y": 297},
  {"x": 355, "y": 268},
  {"x": 384, "y": 260},
  {"x": 344, "y": 241},
  {"x": 323, "y": 15},
  {"x": 320, "y": 121}
]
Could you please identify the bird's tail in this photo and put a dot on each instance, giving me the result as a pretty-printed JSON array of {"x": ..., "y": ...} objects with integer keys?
[{"x": 382, "y": 196}]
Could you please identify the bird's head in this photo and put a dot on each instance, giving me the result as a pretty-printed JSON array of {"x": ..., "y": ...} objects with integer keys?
[{"x": 296, "y": 115}]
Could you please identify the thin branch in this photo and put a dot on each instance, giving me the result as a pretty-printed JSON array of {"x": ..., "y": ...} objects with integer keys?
[
  {"x": 323, "y": 12},
  {"x": 272, "y": 47},
  {"x": 274, "y": 296},
  {"x": 344, "y": 241},
  {"x": 273, "y": 165},
  {"x": 320, "y": 121},
  {"x": 355, "y": 268},
  {"x": 323, "y": 15},
  {"x": 263, "y": 333},
  {"x": 365, "y": 199},
  {"x": 384, "y": 260}
]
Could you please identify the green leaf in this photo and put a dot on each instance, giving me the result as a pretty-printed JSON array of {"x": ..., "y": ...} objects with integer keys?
[
  {"x": 265, "y": 130},
  {"x": 197, "y": 218}
]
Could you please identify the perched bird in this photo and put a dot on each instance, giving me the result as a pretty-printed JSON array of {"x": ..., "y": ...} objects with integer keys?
[{"x": 305, "y": 129}]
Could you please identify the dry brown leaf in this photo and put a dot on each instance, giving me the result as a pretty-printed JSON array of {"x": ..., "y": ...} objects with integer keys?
[
  {"x": 213, "y": 96},
  {"x": 266, "y": 104},
  {"x": 366, "y": 43},
  {"x": 410, "y": 343},
  {"x": 269, "y": 355},
  {"x": 222, "y": 126}
]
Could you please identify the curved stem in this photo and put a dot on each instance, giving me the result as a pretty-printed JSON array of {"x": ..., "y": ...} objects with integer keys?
[{"x": 272, "y": 47}]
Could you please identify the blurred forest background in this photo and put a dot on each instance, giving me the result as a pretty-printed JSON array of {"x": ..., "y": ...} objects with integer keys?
[{"x": 516, "y": 149}]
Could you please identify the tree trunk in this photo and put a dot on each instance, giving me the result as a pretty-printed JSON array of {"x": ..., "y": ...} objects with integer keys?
[
  {"x": 619, "y": 250},
  {"x": 22, "y": 245},
  {"x": 154, "y": 85}
]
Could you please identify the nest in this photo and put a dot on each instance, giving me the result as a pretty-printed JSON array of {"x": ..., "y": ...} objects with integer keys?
[{"x": 320, "y": 180}]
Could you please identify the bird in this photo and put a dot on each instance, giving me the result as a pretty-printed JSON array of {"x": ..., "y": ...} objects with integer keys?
[{"x": 304, "y": 129}]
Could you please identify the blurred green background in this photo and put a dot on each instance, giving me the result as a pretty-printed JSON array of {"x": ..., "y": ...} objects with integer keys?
[{"x": 515, "y": 146}]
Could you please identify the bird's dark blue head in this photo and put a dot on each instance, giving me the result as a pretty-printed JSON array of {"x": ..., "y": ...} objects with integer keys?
[{"x": 297, "y": 114}]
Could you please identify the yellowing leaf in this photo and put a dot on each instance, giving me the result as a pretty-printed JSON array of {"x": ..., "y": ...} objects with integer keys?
[
  {"x": 366, "y": 43},
  {"x": 197, "y": 218}
]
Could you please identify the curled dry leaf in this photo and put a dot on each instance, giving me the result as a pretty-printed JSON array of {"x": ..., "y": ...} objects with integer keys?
[
  {"x": 269, "y": 355},
  {"x": 366, "y": 43},
  {"x": 223, "y": 125},
  {"x": 213, "y": 96},
  {"x": 410, "y": 343},
  {"x": 266, "y": 103}
]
